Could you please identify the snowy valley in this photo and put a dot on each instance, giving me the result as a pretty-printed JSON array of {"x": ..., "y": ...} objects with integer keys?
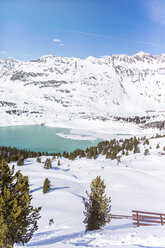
[
  {"x": 136, "y": 183},
  {"x": 95, "y": 98}
]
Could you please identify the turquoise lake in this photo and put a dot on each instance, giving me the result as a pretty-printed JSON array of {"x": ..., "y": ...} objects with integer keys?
[{"x": 42, "y": 138}]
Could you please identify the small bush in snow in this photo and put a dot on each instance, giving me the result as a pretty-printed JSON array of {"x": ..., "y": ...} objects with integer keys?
[{"x": 146, "y": 151}]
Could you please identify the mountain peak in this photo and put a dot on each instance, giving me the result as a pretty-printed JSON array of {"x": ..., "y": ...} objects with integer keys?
[{"x": 141, "y": 54}]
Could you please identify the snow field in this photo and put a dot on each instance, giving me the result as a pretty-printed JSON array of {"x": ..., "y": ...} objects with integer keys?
[{"x": 137, "y": 183}]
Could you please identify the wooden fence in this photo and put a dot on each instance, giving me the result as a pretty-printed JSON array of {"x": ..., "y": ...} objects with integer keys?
[
  {"x": 141, "y": 218},
  {"x": 117, "y": 216}
]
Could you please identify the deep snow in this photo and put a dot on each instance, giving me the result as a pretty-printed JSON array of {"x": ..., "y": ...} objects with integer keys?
[{"x": 138, "y": 183}]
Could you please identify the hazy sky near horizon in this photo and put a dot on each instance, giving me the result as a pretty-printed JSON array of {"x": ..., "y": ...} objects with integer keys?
[{"x": 80, "y": 28}]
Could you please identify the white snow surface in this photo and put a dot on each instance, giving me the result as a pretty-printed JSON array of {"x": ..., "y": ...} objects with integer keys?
[
  {"x": 136, "y": 183},
  {"x": 68, "y": 91}
]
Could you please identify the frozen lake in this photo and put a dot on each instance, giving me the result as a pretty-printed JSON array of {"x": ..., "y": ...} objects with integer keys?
[{"x": 44, "y": 139}]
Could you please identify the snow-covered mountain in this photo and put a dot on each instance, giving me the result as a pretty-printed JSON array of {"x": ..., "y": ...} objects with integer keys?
[{"x": 53, "y": 88}]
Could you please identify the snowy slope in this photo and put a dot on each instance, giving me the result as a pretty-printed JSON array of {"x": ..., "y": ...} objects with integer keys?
[
  {"x": 53, "y": 88},
  {"x": 137, "y": 183}
]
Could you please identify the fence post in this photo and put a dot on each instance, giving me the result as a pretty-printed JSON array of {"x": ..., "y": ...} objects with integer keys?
[
  {"x": 161, "y": 219},
  {"x": 137, "y": 218}
]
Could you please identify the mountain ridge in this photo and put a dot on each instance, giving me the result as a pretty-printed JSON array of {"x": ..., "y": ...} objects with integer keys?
[{"x": 64, "y": 88}]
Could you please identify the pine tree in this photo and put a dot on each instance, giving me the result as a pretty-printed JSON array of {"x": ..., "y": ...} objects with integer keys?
[
  {"x": 97, "y": 206},
  {"x": 147, "y": 142},
  {"x": 13, "y": 157},
  {"x": 46, "y": 186},
  {"x": 136, "y": 150},
  {"x": 54, "y": 157},
  {"x": 94, "y": 153},
  {"x": 20, "y": 161},
  {"x": 18, "y": 219},
  {"x": 38, "y": 160},
  {"x": 157, "y": 146},
  {"x": 48, "y": 164}
]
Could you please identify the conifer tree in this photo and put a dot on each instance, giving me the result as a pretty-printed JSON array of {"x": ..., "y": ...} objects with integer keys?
[
  {"x": 97, "y": 206},
  {"x": 123, "y": 153},
  {"x": 46, "y": 186},
  {"x": 13, "y": 157},
  {"x": 82, "y": 154},
  {"x": 20, "y": 161},
  {"x": 38, "y": 160},
  {"x": 157, "y": 146},
  {"x": 18, "y": 219},
  {"x": 48, "y": 164},
  {"x": 54, "y": 157}
]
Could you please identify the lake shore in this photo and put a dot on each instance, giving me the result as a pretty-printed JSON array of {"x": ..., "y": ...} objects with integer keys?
[{"x": 96, "y": 129}]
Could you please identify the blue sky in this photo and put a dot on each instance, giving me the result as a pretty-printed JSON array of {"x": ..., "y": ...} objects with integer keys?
[{"x": 80, "y": 28}]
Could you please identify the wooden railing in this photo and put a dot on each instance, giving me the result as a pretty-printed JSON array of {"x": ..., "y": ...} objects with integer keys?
[
  {"x": 117, "y": 216},
  {"x": 141, "y": 218}
]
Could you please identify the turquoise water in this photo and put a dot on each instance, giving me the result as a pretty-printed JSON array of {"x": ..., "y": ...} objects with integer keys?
[{"x": 41, "y": 138}]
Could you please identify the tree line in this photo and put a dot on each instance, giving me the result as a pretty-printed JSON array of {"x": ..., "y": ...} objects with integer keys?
[{"x": 112, "y": 149}]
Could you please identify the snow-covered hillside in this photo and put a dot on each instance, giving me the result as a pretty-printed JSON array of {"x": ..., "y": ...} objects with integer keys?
[
  {"x": 52, "y": 88},
  {"x": 137, "y": 182}
]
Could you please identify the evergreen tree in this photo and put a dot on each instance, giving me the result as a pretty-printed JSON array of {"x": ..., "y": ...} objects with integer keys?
[
  {"x": 38, "y": 160},
  {"x": 136, "y": 149},
  {"x": 20, "y": 161},
  {"x": 89, "y": 154},
  {"x": 18, "y": 219},
  {"x": 46, "y": 186},
  {"x": 54, "y": 157},
  {"x": 147, "y": 142},
  {"x": 13, "y": 157},
  {"x": 157, "y": 146},
  {"x": 97, "y": 206},
  {"x": 82, "y": 154},
  {"x": 72, "y": 156},
  {"x": 94, "y": 153},
  {"x": 48, "y": 164}
]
